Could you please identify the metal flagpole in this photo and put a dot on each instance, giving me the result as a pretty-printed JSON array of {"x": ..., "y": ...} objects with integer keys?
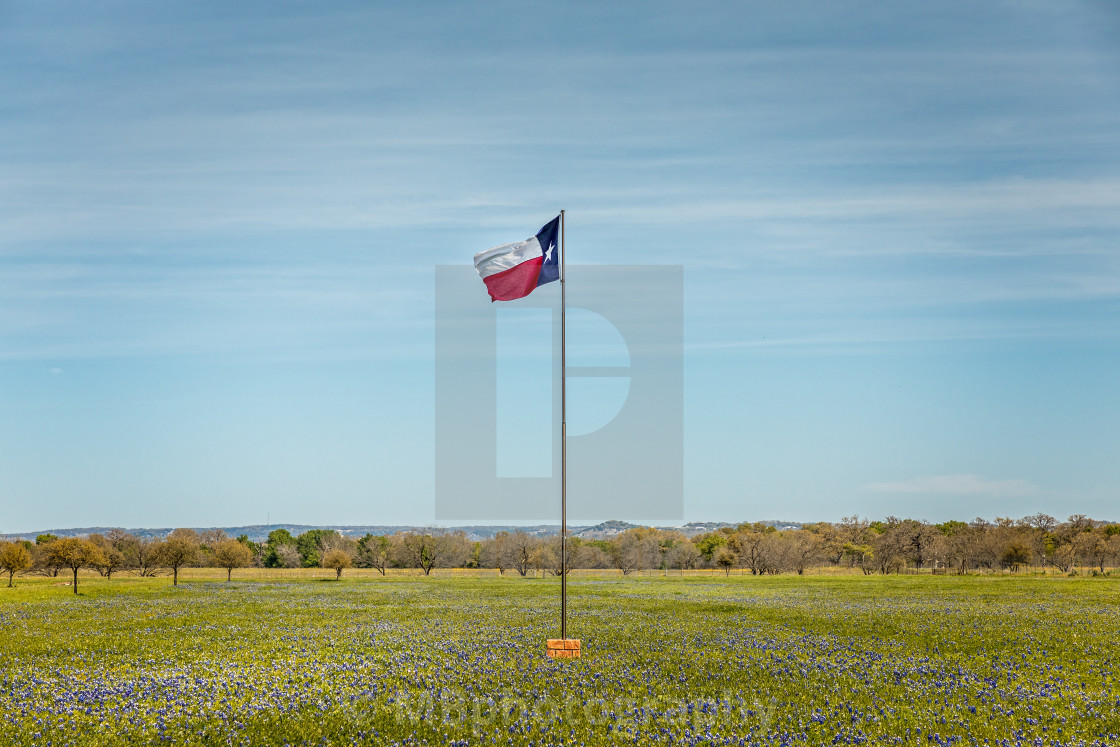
[{"x": 563, "y": 441}]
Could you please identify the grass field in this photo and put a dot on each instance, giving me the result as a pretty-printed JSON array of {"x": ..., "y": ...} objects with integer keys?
[{"x": 695, "y": 660}]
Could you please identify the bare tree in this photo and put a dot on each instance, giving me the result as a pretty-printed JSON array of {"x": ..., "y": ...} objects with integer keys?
[
  {"x": 521, "y": 547},
  {"x": 774, "y": 554},
  {"x": 143, "y": 556},
  {"x": 985, "y": 546},
  {"x": 1045, "y": 522},
  {"x": 334, "y": 540},
  {"x": 635, "y": 550},
  {"x": 116, "y": 537},
  {"x": 547, "y": 554},
  {"x": 545, "y": 558},
  {"x": 748, "y": 544},
  {"x": 374, "y": 551},
  {"x": 683, "y": 555},
  {"x": 590, "y": 556},
  {"x": 891, "y": 542},
  {"x": 850, "y": 531},
  {"x": 802, "y": 549},
  {"x": 958, "y": 549},
  {"x": 644, "y": 548},
  {"x": 211, "y": 537},
  {"x": 497, "y": 552},
  {"x": 1091, "y": 547},
  {"x": 1064, "y": 558},
  {"x": 428, "y": 550},
  {"x": 1114, "y": 548},
  {"x": 288, "y": 556}
]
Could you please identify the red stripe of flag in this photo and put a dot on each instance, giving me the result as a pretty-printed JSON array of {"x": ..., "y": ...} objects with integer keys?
[{"x": 516, "y": 282}]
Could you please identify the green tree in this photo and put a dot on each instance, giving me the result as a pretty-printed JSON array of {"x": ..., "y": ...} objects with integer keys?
[
  {"x": 709, "y": 543},
  {"x": 862, "y": 554},
  {"x": 313, "y": 543},
  {"x": 1015, "y": 555},
  {"x": 475, "y": 558},
  {"x": 280, "y": 537},
  {"x": 14, "y": 558},
  {"x": 74, "y": 553},
  {"x": 309, "y": 545},
  {"x": 273, "y": 555},
  {"x": 726, "y": 560},
  {"x": 950, "y": 528},
  {"x": 270, "y": 557},
  {"x": 255, "y": 550}
]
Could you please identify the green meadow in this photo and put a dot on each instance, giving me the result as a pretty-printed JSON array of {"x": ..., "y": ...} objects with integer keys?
[{"x": 298, "y": 658}]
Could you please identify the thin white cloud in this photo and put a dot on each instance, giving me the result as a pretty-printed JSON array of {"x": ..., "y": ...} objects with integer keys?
[{"x": 958, "y": 485}]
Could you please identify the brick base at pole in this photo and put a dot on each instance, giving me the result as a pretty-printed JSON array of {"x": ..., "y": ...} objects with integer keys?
[{"x": 562, "y": 648}]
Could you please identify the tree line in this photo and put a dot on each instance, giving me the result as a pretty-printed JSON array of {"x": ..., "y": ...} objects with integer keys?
[{"x": 888, "y": 546}]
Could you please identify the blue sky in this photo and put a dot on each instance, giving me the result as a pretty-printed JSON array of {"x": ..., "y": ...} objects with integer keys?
[{"x": 899, "y": 226}]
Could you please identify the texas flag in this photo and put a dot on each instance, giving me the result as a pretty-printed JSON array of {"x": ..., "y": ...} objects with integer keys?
[{"x": 513, "y": 270}]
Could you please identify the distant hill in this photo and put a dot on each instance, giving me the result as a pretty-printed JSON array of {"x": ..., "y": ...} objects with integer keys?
[
  {"x": 603, "y": 531},
  {"x": 609, "y": 529},
  {"x": 260, "y": 532}
]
